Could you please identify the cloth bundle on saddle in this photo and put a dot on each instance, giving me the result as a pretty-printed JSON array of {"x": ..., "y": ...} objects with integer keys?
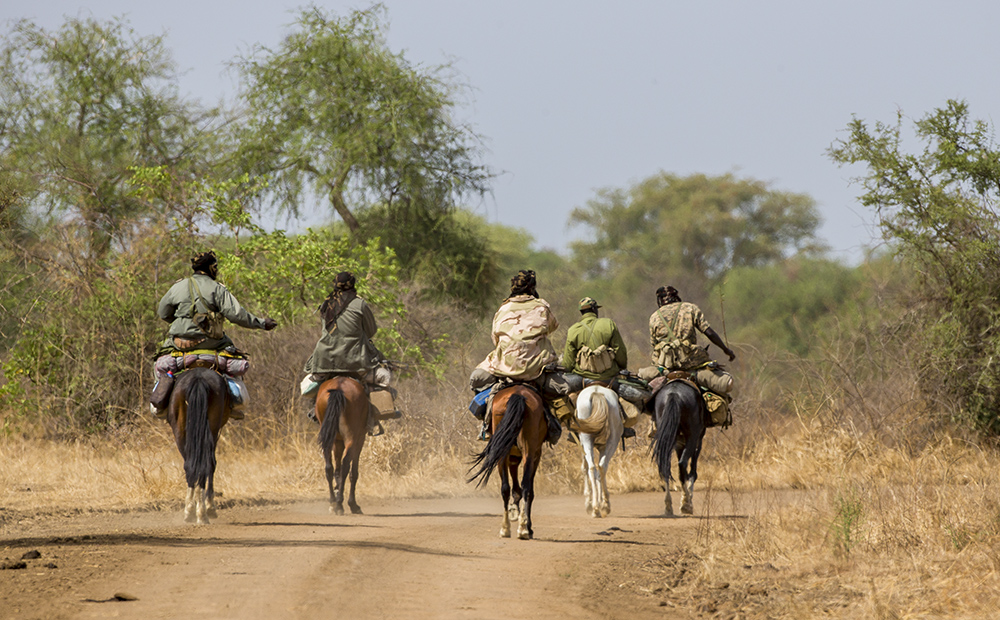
[
  {"x": 552, "y": 387},
  {"x": 716, "y": 405},
  {"x": 230, "y": 363},
  {"x": 381, "y": 398}
]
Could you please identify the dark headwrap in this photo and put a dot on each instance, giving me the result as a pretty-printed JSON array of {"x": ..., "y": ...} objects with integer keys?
[
  {"x": 206, "y": 263},
  {"x": 343, "y": 294},
  {"x": 523, "y": 283},
  {"x": 667, "y": 295}
]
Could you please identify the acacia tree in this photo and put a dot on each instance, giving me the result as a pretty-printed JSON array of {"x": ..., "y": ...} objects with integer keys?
[
  {"x": 938, "y": 209},
  {"x": 79, "y": 106},
  {"x": 698, "y": 226},
  {"x": 334, "y": 112}
]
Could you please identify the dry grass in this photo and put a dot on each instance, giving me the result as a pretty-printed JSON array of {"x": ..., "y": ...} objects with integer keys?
[{"x": 815, "y": 517}]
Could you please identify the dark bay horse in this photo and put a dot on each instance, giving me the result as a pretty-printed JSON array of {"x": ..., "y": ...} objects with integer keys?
[
  {"x": 519, "y": 429},
  {"x": 342, "y": 410},
  {"x": 197, "y": 412},
  {"x": 679, "y": 411}
]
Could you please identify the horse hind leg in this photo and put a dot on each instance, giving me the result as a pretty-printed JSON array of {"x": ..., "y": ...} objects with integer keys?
[
  {"x": 201, "y": 505},
  {"x": 505, "y": 494},
  {"x": 352, "y": 502},
  {"x": 588, "y": 498},
  {"x": 687, "y": 490},
  {"x": 210, "y": 509},
  {"x": 189, "y": 506},
  {"x": 604, "y": 507}
]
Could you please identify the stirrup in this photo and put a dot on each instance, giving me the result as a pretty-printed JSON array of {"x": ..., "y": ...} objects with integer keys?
[
  {"x": 376, "y": 429},
  {"x": 160, "y": 414},
  {"x": 236, "y": 413},
  {"x": 628, "y": 432}
]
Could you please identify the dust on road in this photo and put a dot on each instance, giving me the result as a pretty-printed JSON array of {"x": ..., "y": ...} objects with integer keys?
[{"x": 427, "y": 558}]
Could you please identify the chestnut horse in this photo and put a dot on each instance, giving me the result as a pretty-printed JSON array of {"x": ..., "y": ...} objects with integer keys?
[
  {"x": 679, "y": 411},
  {"x": 342, "y": 410},
  {"x": 197, "y": 412},
  {"x": 518, "y": 424}
]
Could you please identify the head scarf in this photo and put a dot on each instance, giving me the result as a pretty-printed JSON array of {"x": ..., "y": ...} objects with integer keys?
[
  {"x": 667, "y": 295},
  {"x": 523, "y": 283},
  {"x": 206, "y": 263},
  {"x": 343, "y": 294}
]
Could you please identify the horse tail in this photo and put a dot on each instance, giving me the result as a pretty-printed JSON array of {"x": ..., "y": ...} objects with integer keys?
[
  {"x": 199, "y": 444},
  {"x": 503, "y": 439},
  {"x": 335, "y": 405},
  {"x": 666, "y": 434}
]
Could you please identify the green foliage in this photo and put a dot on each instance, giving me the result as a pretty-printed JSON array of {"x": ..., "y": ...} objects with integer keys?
[
  {"x": 78, "y": 107},
  {"x": 333, "y": 111},
  {"x": 938, "y": 209},
  {"x": 698, "y": 225},
  {"x": 790, "y": 306},
  {"x": 441, "y": 255},
  {"x": 847, "y": 518}
]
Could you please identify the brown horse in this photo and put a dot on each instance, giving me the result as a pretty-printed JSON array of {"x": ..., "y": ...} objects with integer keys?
[
  {"x": 197, "y": 412},
  {"x": 342, "y": 410},
  {"x": 518, "y": 423}
]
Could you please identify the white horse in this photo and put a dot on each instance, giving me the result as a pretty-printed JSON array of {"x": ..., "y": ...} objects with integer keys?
[{"x": 599, "y": 422}]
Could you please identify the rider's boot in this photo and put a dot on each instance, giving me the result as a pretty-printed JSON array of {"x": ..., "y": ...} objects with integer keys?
[
  {"x": 374, "y": 425},
  {"x": 235, "y": 399},
  {"x": 554, "y": 428},
  {"x": 485, "y": 433},
  {"x": 160, "y": 397}
]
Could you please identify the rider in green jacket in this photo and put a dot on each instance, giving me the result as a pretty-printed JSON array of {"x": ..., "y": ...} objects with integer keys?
[{"x": 200, "y": 297}]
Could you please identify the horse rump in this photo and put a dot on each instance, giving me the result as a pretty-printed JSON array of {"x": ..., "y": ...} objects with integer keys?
[{"x": 504, "y": 438}]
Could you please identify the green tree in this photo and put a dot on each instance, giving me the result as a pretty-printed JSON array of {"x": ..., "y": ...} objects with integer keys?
[
  {"x": 334, "y": 112},
  {"x": 938, "y": 210},
  {"x": 697, "y": 225},
  {"x": 78, "y": 107}
]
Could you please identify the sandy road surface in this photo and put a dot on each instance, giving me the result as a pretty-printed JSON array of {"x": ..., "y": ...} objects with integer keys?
[{"x": 435, "y": 558}]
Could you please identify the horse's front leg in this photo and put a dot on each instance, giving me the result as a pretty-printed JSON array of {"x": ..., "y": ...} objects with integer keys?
[{"x": 505, "y": 494}]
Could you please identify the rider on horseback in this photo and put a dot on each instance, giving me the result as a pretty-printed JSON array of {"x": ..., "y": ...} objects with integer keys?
[
  {"x": 346, "y": 348},
  {"x": 675, "y": 343},
  {"x": 521, "y": 329},
  {"x": 196, "y": 309},
  {"x": 595, "y": 351}
]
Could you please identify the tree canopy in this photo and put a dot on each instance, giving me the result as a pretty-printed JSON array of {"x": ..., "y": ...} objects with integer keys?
[
  {"x": 938, "y": 209},
  {"x": 699, "y": 225},
  {"x": 79, "y": 106},
  {"x": 333, "y": 111}
]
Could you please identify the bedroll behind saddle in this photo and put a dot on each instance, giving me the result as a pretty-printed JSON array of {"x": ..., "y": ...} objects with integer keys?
[{"x": 716, "y": 406}]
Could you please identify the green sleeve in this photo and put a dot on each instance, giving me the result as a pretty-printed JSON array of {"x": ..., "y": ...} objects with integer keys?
[
  {"x": 569, "y": 353},
  {"x": 621, "y": 353},
  {"x": 232, "y": 310}
]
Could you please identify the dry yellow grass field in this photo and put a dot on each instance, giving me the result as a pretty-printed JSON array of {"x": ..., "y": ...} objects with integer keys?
[{"x": 819, "y": 515}]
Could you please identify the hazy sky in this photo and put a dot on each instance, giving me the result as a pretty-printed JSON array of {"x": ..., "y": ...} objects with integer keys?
[{"x": 573, "y": 96}]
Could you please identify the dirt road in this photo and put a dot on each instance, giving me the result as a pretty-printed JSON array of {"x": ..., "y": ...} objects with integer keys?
[{"x": 434, "y": 558}]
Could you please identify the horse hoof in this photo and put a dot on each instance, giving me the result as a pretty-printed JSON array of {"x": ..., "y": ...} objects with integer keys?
[
  {"x": 524, "y": 535},
  {"x": 212, "y": 514},
  {"x": 504, "y": 533},
  {"x": 687, "y": 510},
  {"x": 356, "y": 510},
  {"x": 337, "y": 510}
]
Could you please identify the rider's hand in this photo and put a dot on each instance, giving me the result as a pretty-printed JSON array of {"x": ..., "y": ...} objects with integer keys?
[
  {"x": 731, "y": 355},
  {"x": 270, "y": 324}
]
